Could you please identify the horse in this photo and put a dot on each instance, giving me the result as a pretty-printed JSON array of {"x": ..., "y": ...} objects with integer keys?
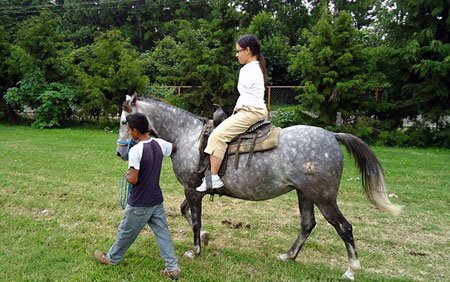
[{"x": 308, "y": 160}]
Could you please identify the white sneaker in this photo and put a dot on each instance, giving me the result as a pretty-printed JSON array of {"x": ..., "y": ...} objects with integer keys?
[{"x": 216, "y": 182}]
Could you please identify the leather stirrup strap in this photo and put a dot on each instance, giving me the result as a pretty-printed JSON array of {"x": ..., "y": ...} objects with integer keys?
[
  {"x": 252, "y": 150},
  {"x": 208, "y": 180},
  {"x": 236, "y": 155}
]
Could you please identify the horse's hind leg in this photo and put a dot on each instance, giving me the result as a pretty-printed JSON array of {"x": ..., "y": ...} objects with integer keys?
[
  {"x": 308, "y": 223},
  {"x": 334, "y": 216}
]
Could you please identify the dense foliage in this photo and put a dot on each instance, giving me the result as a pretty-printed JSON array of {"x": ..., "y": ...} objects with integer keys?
[{"x": 364, "y": 66}]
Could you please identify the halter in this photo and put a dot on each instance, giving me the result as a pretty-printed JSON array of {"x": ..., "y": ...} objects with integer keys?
[{"x": 129, "y": 143}]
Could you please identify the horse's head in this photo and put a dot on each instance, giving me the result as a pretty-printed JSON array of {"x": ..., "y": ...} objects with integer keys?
[{"x": 124, "y": 142}]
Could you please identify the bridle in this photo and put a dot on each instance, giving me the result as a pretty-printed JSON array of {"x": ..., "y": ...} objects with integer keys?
[{"x": 129, "y": 142}]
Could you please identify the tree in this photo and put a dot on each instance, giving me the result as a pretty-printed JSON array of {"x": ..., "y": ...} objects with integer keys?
[
  {"x": 293, "y": 16},
  {"x": 415, "y": 59},
  {"x": 332, "y": 67},
  {"x": 250, "y": 8},
  {"x": 105, "y": 72},
  {"x": 363, "y": 11},
  {"x": 37, "y": 60},
  {"x": 274, "y": 46},
  {"x": 6, "y": 77},
  {"x": 81, "y": 20},
  {"x": 201, "y": 54},
  {"x": 41, "y": 39},
  {"x": 14, "y": 12}
]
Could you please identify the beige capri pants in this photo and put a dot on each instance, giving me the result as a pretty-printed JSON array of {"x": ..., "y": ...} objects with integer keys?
[{"x": 232, "y": 127}]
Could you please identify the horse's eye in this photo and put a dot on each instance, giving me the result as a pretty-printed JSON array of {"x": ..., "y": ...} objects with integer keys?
[{"x": 124, "y": 122}]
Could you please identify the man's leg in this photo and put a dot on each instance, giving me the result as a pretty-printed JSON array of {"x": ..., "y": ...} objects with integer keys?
[
  {"x": 133, "y": 220},
  {"x": 158, "y": 223}
]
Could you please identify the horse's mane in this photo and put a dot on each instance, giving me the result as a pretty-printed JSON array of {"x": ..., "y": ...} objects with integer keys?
[{"x": 165, "y": 103}]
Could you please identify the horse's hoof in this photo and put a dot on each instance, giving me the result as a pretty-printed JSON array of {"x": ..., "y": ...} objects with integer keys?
[
  {"x": 204, "y": 238},
  {"x": 354, "y": 266},
  {"x": 189, "y": 254},
  {"x": 348, "y": 276},
  {"x": 283, "y": 257}
]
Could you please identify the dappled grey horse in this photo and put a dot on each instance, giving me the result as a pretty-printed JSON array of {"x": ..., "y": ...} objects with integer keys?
[{"x": 308, "y": 160}]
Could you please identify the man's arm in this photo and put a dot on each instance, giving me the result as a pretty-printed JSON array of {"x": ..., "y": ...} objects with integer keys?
[{"x": 132, "y": 175}]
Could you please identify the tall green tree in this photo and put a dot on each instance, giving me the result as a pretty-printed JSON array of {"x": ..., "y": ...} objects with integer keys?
[
  {"x": 416, "y": 59},
  {"x": 6, "y": 77},
  {"x": 38, "y": 60},
  {"x": 82, "y": 22},
  {"x": 362, "y": 11},
  {"x": 332, "y": 67},
  {"x": 274, "y": 46},
  {"x": 202, "y": 55},
  {"x": 5, "y": 52},
  {"x": 41, "y": 39},
  {"x": 14, "y": 12},
  {"x": 105, "y": 72},
  {"x": 249, "y": 9},
  {"x": 294, "y": 17}
]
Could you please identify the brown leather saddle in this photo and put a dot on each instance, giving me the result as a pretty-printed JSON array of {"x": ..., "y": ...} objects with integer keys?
[{"x": 260, "y": 136}]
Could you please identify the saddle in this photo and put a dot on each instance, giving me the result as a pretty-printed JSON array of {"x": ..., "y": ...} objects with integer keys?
[{"x": 261, "y": 136}]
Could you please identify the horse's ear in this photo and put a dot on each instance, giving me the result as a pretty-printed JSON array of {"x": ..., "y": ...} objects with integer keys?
[
  {"x": 134, "y": 98},
  {"x": 128, "y": 98}
]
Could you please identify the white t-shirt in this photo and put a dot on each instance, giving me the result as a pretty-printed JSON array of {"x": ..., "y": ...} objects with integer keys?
[
  {"x": 135, "y": 154},
  {"x": 251, "y": 86}
]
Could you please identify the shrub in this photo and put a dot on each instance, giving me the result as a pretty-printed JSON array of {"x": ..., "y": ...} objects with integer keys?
[
  {"x": 284, "y": 117},
  {"x": 55, "y": 106},
  {"x": 364, "y": 127},
  {"x": 393, "y": 138},
  {"x": 442, "y": 137}
]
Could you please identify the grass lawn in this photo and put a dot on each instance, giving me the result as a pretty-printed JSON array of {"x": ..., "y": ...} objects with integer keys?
[{"x": 59, "y": 197}]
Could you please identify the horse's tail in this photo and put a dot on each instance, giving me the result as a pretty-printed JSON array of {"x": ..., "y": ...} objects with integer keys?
[{"x": 372, "y": 172}]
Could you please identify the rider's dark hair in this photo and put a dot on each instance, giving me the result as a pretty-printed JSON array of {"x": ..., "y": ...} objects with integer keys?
[
  {"x": 250, "y": 41},
  {"x": 138, "y": 121}
]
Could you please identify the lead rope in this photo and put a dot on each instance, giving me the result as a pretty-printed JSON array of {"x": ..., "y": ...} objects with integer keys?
[{"x": 125, "y": 189}]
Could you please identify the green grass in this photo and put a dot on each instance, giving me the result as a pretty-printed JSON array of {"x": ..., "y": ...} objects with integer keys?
[{"x": 59, "y": 197}]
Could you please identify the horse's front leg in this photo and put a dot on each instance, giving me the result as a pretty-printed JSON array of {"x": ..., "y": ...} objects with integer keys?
[
  {"x": 186, "y": 212},
  {"x": 194, "y": 200}
]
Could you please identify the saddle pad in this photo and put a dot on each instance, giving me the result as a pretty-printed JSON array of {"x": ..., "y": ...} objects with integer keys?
[{"x": 270, "y": 142}]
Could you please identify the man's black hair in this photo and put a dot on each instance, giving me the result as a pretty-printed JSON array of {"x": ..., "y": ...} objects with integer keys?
[{"x": 138, "y": 121}]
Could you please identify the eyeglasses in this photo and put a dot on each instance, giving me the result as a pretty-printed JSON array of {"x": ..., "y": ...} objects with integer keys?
[{"x": 239, "y": 50}]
